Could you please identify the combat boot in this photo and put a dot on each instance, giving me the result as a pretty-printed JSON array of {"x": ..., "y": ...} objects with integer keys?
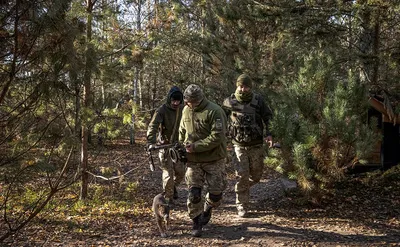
[
  {"x": 197, "y": 226},
  {"x": 206, "y": 215}
]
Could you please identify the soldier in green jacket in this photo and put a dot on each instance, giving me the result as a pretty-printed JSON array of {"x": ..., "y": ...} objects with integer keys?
[
  {"x": 163, "y": 129},
  {"x": 248, "y": 127},
  {"x": 203, "y": 132}
]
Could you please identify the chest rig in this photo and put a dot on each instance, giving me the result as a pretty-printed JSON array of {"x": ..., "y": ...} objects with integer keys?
[{"x": 244, "y": 119}]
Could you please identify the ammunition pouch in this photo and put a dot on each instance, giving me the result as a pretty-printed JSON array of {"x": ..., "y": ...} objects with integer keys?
[{"x": 244, "y": 129}]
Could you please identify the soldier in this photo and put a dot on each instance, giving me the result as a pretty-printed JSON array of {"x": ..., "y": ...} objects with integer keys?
[
  {"x": 163, "y": 129},
  {"x": 203, "y": 132},
  {"x": 248, "y": 114}
]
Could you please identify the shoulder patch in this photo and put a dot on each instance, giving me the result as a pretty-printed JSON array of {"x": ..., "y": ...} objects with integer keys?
[{"x": 218, "y": 124}]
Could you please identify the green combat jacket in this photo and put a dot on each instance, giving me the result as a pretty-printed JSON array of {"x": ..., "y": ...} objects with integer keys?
[
  {"x": 161, "y": 126},
  {"x": 205, "y": 127}
]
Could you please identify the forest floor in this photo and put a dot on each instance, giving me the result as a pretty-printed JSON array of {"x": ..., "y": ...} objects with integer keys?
[{"x": 362, "y": 213}]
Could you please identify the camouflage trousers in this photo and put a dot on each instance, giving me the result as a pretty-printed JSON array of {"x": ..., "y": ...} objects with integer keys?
[
  {"x": 172, "y": 173},
  {"x": 249, "y": 167},
  {"x": 211, "y": 178}
]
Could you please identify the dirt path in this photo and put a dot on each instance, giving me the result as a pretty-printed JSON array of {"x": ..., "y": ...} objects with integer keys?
[
  {"x": 273, "y": 221},
  {"x": 360, "y": 216}
]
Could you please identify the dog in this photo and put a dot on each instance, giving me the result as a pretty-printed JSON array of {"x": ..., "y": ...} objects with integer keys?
[{"x": 161, "y": 213}]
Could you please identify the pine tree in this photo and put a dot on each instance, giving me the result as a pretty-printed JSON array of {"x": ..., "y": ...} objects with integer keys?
[{"x": 320, "y": 114}]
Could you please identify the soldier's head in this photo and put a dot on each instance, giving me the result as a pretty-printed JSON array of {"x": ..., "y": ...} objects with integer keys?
[
  {"x": 244, "y": 83},
  {"x": 193, "y": 95},
  {"x": 175, "y": 97}
]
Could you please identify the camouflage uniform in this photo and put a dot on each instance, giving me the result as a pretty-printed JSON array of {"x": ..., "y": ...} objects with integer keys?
[
  {"x": 246, "y": 128},
  {"x": 163, "y": 129},
  {"x": 203, "y": 128}
]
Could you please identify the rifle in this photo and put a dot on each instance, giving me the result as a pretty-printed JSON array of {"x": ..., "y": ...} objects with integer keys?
[{"x": 176, "y": 151}]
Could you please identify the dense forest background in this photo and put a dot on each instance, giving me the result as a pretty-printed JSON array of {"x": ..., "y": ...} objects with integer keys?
[{"x": 76, "y": 74}]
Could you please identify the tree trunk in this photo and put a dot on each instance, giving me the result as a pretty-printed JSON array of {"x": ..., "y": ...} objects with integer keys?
[
  {"x": 12, "y": 71},
  {"x": 369, "y": 43},
  {"x": 86, "y": 101},
  {"x": 134, "y": 99}
]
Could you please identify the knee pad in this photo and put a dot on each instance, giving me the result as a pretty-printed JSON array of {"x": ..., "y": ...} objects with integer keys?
[
  {"x": 215, "y": 198},
  {"x": 195, "y": 195}
]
